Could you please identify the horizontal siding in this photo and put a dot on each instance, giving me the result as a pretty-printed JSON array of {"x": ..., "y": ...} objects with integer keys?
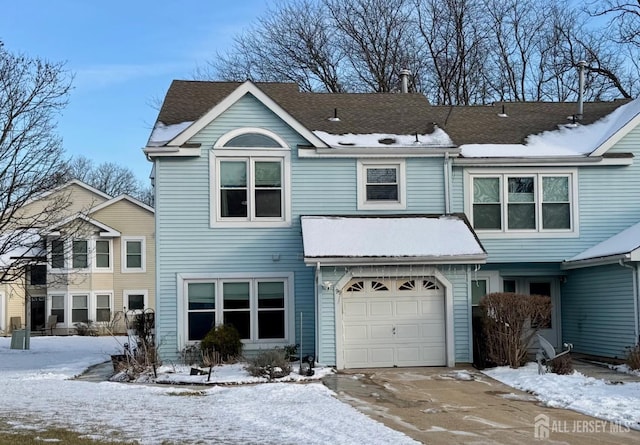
[{"x": 598, "y": 310}]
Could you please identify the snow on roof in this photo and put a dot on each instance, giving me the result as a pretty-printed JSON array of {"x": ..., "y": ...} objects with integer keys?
[
  {"x": 622, "y": 243},
  {"x": 20, "y": 244},
  {"x": 162, "y": 133},
  {"x": 436, "y": 139},
  {"x": 567, "y": 140},
  {"x": 440, "y": 238}
]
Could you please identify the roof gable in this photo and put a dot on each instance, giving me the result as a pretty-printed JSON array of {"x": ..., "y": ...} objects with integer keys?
[{"x": 119, "y": 199}]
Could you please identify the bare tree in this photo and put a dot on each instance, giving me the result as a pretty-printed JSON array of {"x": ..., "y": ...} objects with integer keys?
[
  {"x": 32, "y": 94},
  {"x": 624, "y": 18}
]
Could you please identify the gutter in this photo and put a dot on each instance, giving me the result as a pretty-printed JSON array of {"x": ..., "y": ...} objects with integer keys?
[
  {"x": 536, "y": 162},
  {"x": 368, "y": 261}
]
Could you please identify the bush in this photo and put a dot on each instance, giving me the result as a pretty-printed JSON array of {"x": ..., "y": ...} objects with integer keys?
[
  {"x": 85, "y": 329},
  {"x": 562, "y": 365},
  {"x": 510, "y": 321},
  {"x": 272, "y": 364},
  {"x": 633, "y": 358},
  {"x": 223, "y": 339}
]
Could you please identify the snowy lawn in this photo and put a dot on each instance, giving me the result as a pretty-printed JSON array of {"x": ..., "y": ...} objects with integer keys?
[
  {"x": 618, "y": 403},
  {"x": 36, "y": 391}
]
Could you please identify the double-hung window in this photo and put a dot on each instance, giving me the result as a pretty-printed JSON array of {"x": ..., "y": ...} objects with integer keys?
[
  {"x": 79, "y": 308},
  {"x": 133, "y": 254},
  {"x": 103, "y": 307},
  {"x": 256, "y": 307},
  {"x": 80, "y": 254},
  {"x": 523, "y": 202},
  {"x": 57, "y": 254},
  {"x": 250, "y": 171},
  {"x": 381, "y": 184},
  {"x": 102, "y": 255}
]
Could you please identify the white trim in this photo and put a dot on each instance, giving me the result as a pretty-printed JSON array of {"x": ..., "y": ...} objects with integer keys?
[
  {"x": 93, "y": 311},
  {"x": 249, "y": 156},
  {"x": 222, "y": 140},
  {"x": 246, "y": 88},
  {"x": 182, "y": 279},
  {"x": 65, "y": 305},
  {"x": 396, "y": 272},
  {"x": 78, "y": 293},
  {"x": 614, "y": 138},
  {"x": 121, "y": 198},
  {"x": 538, "y": 174},
  {"x": 127, "y": 292},
  {"x": 401, "y": 178},
  {"x": 123, "y": 254},
  {"x": 3, "y": 311},
  {"x": 107, "y": 232},
  {"x": 376, "y": 152},
  {"x": 159, "y": 152},
  {"x": 94, "y": 261},
  {"x": 542, "y": 162}
]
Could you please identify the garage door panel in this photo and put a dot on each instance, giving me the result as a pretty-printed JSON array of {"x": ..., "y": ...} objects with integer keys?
[
  {"x": 408, "y": 331},
  {"x": 381, "y": 356},
  {"x": 407, "y": 308},
  {"x": 382, "y": 332},
  {"x": 356, "y": 332},
  {"x": 432, "y": 306},
  {"x": 355, "y": 309}
]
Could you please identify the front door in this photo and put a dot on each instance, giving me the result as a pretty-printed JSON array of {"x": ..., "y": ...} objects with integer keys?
[{"x": 37, "y": 313}]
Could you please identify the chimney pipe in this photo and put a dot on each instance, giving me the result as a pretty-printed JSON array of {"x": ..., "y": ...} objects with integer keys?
[
  {"x": 581, "y": 67},
  {"x": 404, "y": 80}
]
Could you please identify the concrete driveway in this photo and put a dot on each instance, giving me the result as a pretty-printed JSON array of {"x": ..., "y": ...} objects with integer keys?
[{"x": 462, "y": 406}]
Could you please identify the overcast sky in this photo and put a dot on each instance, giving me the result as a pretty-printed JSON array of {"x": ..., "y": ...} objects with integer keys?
[{"x": 124, "y": 55}]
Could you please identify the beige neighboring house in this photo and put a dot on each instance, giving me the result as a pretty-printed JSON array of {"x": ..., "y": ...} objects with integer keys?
[{"x": 100, "y": 263}]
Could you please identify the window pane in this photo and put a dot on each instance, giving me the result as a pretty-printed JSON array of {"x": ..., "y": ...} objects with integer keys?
[
  {"x": 270, "y": 294},
  {"x": 522, "y": 216},
  {"x": 233, "y": 203},
  {"x": 103, "y": 309},
  {"x": 233, "y": 174},
  {"x": 79, "y": 311},
  {"x": 236, "y": 295},
  {"x": 486, "y": 190},
  {"x": 79, "y": 301},
  {"x": 57, "y": 254},
  {"x": 487, "y": 216},
  {"x": 478, "y": 290},
  {"x": 556, "y": 216},
  {"x": 509, "y": 285},
  {"x": 102, "y": 254},
  {"x": 136, "y": 302},
  {"x": 271, "y": 324},
  {"x": 268, "y": 174},
  {"x": 382, "y": 192},
  {"x": 57, "y": 307},
  {"x": 381, "y": 175},
  {"x": 521, "y": 190},
  {"x": 202, "y": 296},
  {"x": 199, "y": 324},
  {"x": 80, "y": 258},
  {"x": 268, "y": 203},
  {"x": 38, "y": 274},
  {"x": 102, "y": 301},
  {"x": 134, "y": 254},
  {"x": 555, "y": 189},
  {"x": 252, "y": 140},
  {"x": 241, "y": 321}
]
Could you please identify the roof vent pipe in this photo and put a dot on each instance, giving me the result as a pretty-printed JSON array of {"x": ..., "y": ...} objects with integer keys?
[
  {"x": 404, "y": 80},
  {"x": 581, "y": 67}
]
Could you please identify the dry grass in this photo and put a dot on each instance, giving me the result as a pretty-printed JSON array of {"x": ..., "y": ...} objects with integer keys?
[{"x": 39, "y": 435}]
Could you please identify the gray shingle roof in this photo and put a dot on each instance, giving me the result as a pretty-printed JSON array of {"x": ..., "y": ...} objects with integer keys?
[{"x": 392, "y": 113}]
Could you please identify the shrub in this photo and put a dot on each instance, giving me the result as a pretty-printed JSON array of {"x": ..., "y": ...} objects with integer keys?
[
  {"x": 291, "y": 352},
  {"x": 85, "y": 329},
  {"x": 510, "y": 321},
  {"x": 633, "y": 358},
  {"x": 272, "y": 364},
  {"x": 223, "y": 339},
  {"x": 562, "y": 365}
]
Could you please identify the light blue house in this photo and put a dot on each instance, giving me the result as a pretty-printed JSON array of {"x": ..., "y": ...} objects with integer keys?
[{"x": 365, "y": 226}]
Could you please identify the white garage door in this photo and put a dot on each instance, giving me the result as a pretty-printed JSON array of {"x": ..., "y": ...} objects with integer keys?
[{"x": 395, "y": 322}]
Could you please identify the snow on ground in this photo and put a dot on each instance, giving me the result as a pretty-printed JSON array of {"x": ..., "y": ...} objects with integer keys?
[
  {"x": 595, "y": 397},
  {"x": 36, "y": 392}
]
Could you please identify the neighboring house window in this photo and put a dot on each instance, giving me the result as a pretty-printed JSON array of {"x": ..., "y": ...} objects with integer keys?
[
  {"x": 381, "y": 185},
  {"x": 103, "y": 254},
  {"x": 57, "y": 254},
  {"x": 257, "y": 308},
  {"x": 103, "y": 307},
  {"x": 79, "y": 308},
  {"x": 135, "y": 300},
  {"x": 133, "y": 254},
  {"x": 37, "y": 274},
  {"x": 536, "y": 202},
  {"x": 250, "y": 171},
  {"x": 57, "y": 307},
  {"x": 80, "y": 257}
]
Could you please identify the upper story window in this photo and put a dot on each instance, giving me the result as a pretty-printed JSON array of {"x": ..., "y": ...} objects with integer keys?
[
  {"x": 103, "y": 254},
  {"x": 133, "y": 254},
  {"x": 37, "y": 274},
  {"x": 250, "y": 172},
  {"x": 57, "y": 254},
  {"x": 523, "y": 202},
  {"x": 381, "y": 185},
  {"x": 80, "y": 254}
]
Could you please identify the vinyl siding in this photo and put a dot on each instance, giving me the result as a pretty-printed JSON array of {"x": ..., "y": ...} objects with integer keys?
[{"x": 598, "y": 310}]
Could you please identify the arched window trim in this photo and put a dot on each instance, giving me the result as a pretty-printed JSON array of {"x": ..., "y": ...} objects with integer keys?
[{"x": 225, "y": 138}]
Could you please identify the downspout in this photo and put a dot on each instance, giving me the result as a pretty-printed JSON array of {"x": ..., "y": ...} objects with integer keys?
[
  {"x": 316, "y": 292},
  {"x": 447, "y": 183},
  {"x": 636, "y": 297}
]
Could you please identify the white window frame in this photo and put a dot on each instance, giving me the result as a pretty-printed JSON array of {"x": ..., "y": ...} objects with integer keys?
[
  {"x": 65, "y": 305},
  {"x": 253, "y": 279},
  {"x": 70, "y": 306},
  {"x": 143, "y": 251},
  {"x": 250, "y": 155},
  {"x": 361, "y": 176},
  {"x": 94, "y": 306},
  {"x": 125, "y": 298},
  {"x": 538, "y": 232},
  {"x": 65, "y": 259},
  {"x": 94, "y": 259},
  {"x": 88, "y": 253}
]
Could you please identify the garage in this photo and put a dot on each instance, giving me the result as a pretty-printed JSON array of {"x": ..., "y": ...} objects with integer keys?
[{"x": 393, "y": 322}]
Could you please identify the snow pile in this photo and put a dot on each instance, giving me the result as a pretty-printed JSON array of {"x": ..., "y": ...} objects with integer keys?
[
  {"x": 616, "y": 403},
  {"x": 162, "y": 133},
  {"x": 621, "y": 243},
  {"x": 436, "y": 139}
]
